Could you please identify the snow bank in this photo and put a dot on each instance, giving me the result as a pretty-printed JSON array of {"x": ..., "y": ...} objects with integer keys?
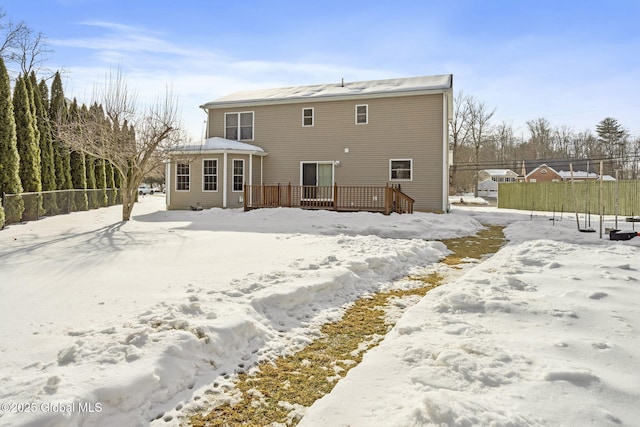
[
  {"x": 108, "y": 323},
  {"x": 121, "y": 323},
  {"x": 543, "y": 333}
]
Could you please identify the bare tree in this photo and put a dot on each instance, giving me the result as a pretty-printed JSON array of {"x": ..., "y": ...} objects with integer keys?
[
  {"x": 505, "y": 142},
  {"x": 20, "y": 45},
  {"x": 458, "y": 131},
  {"x": 479, "y": 127},
  {"x": 120, "y": 131},
  {"x": 540, "y": 130},
  {"x": 32, "y": 51},
  {"x": 10, "y": 33},
  {"x": 561, "y": 139}
]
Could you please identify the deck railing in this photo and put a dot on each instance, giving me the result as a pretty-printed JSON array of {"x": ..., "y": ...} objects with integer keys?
[{"x": 335, "y": 197}]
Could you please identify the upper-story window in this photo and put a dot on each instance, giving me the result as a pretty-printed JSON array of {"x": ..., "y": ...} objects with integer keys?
[
  {"x": 362, "y": 114},
  {"x": 307, "y": 117},
  {"x": 238, "y": 126}
]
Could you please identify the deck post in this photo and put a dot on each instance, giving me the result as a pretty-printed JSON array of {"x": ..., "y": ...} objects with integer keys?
[
  {"x": 289, "y": 195},
  {"x": 386, "y": 199},
  {"x": 335, "y": 196},
  {"x": 278, "y": 193},
  {"x": 244, "y": 197}
]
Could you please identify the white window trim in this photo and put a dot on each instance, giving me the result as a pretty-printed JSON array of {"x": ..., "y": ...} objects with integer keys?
[
  {"x": 313, "y": 117},
  {"x": 216, "y": 175},
  {"x": 400, "y": 179},
  {"x": 186, "y": 163},
  {"x": 233, "y": 175},
  {"x": 333, "y": 176},
  {"x": 366, "y": 122},
  {"x": 253, "y": 124}
]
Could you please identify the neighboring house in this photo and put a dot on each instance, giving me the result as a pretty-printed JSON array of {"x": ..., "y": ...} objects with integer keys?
[
  {"x": 579, "y": 176},
  {"x": 543, "y": 173},
  {"x": 497, "y": 175},
  {"x": 488, "y": 188},
  {"x": 372, "y": 133},
  {"x": 488, "y": 180},
  {"x": 559, "y": 170}
]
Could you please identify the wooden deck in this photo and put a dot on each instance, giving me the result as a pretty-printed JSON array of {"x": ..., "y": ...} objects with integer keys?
[{"x": 386, "y": 199}]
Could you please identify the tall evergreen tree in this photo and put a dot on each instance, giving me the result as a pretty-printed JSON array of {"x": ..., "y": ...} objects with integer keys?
[
  {"x": 101, "y": 181},
  {"x": 9, "y": 157},
  {"x": 47, "y": 160},
  {"x": 612, "y": 140},
  {"x": 58, "y": 112},
  {"x": 111, "y": 184},
  {"x": 28, "y": 147},
  {"x": 31, "y": 93},
  {"x": 78, "y": 164},
  {"x": 91, "y": 181}
]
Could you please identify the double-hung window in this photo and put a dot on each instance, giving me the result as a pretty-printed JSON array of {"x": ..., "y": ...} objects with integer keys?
[
  {"x": 183, "y": 176},
  {"x": 362, "y": 114},
  {"x": 238, "y": 126},
  {"x": 238, "y": 175},
  {"x": 210, "y": 175},
  {"x": 307, "y": 117},
  {"x": 400, "y": 170}
]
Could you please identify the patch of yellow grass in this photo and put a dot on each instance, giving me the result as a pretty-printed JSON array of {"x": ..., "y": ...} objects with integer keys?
[
  {"x": 486, "y": 242},
  {"x": 276, "y": 388}
]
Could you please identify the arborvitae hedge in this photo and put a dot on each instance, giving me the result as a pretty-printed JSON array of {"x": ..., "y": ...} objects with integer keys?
[
  {"x": 9, "y": 157},
  {"x": 58, "y": 112},
  {"x": 28, "y": 148}
]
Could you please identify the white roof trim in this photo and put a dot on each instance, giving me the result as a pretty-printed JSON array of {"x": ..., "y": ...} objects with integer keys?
[{"x": 217, "y": 145}]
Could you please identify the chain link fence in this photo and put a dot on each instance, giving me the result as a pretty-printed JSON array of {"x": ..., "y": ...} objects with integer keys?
[{"x": 33, "y": 206}]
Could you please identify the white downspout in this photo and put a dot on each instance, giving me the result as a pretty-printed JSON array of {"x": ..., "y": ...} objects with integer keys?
[
  {"x": 250, "y": 176},
  {"x": 168, "y": 188},
  {"x": 445, "y": 153},
  {"x": 224, "y": 180}
]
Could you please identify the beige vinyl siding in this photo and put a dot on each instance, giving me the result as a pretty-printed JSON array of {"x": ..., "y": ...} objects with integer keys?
[
  {"x": 195, "y": 195},
  {"x": 402, "y": 127},
  {"x": 234, "y": 198}
]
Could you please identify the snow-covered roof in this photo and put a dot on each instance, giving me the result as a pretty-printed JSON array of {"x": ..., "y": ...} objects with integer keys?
[
  {"x": 488, "y": 183},
  {"x": 411, "y": 85},
  {"x": 219, "y": 145},
  {"x": 578, "y": 175},
  {"x": 499, "y": 172}
]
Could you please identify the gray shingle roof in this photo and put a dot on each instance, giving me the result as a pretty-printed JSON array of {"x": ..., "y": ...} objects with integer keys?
[{"x": 336, "y": 90}]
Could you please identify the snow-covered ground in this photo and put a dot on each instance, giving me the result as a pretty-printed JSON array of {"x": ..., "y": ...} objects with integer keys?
[{"x": 109, "y": 323}]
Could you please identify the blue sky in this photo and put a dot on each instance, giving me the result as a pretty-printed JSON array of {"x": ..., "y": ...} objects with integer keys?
[{"x": 572, "y": 62}]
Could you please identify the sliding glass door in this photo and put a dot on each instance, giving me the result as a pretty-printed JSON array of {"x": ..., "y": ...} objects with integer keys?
[{"x": 317, "y": 180}]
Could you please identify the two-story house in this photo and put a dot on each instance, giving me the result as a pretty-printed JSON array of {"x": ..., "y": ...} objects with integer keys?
[
  {"x": 370, "y": 133},
  {"x": 488, "y": 180}
]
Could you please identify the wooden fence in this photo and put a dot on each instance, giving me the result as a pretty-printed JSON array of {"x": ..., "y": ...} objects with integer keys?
[
  {"x": 580, "y": 196},
  {"x": 336, "y": 197}
]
